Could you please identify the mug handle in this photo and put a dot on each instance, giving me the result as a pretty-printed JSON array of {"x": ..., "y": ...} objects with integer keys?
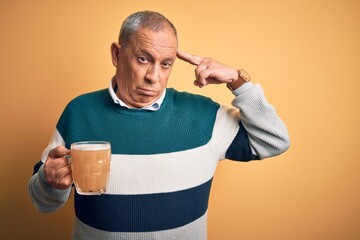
[{"x": 68, "y": 158}]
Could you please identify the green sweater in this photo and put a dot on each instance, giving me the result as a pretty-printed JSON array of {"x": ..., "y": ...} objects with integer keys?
[{"x": 162, "y": 163}]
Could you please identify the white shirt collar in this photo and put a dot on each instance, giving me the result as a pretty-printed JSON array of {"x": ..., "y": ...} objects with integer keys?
[{"x": 152, "y": 107}]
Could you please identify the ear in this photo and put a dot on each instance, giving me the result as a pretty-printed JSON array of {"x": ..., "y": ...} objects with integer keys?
[{"x": 115, "y": 51}]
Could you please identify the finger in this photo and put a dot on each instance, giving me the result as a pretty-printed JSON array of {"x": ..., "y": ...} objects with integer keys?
[
  {"x": 62, "y": 172},
  {"x": 64, "y": 182},
  {"x": 54, "y": 167},
  {"x": 59, "y": 177},
  {"x": 58, "y": 152},
  {"x": 198, "y": 70},
  {"x": 187, "y": 57},
  {"x": 203, "y": 76}
]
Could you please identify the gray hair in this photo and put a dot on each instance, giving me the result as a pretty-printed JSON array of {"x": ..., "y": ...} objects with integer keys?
[{"x": 145, "y": 19}]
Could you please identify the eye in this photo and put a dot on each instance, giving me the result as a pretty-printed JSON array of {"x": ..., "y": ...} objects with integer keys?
[
  {"x": 142, "y": 59},
  {"x": 166, "y": 64}
]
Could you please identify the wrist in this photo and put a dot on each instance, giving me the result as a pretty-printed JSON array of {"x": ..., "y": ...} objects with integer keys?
[{"x": 243, "y": 77}]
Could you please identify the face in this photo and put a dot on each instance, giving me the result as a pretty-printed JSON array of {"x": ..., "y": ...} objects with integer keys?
[{"x": 144, "y": 66}]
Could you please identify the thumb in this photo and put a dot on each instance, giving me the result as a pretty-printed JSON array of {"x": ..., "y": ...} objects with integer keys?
[{"x": 59, "y": 152}]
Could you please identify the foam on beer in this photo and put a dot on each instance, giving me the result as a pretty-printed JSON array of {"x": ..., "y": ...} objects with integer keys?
[{"x": 90, "y": 147}]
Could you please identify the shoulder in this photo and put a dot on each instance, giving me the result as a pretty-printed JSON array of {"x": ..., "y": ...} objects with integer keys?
[
  {"x": 85, "y": 103},
  {"x": 197, "y": 109},
  {"x": 189, "y": 101},
  {"x": 88, "y": 99},
  {"x": 86, "y": 106}
]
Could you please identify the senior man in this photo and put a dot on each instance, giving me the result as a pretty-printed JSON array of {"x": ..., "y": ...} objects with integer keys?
[{"x": 166, "y": 144}]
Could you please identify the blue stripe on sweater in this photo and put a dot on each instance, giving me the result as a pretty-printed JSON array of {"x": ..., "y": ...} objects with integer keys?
[
  {"x": 37, "y": 166},
  {"x": 143, "y": 213},
  {"x": 240, "y": 152}
]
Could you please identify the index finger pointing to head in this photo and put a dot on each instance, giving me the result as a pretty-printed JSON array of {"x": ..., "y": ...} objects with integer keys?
[{"x": 187, "y": 57}]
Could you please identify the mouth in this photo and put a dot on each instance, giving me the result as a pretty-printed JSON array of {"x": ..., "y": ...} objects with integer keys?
[{"x": 147, "y": 92}]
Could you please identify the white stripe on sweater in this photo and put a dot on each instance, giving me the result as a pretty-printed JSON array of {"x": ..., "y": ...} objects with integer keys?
[{"x": 194, "y": 230}]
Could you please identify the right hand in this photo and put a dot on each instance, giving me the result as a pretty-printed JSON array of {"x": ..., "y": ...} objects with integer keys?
[
  {"x": 57, "y": 168},
  {"x": 208, "y": 70}
]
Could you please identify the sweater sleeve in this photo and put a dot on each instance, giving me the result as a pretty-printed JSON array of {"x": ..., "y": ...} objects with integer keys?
[
  {"x": 267, "y": 134},
  {"x": 43, "y": 196}
]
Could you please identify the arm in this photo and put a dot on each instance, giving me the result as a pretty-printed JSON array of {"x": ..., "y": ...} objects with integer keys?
[
  {"x": 50, "y": 185},
  {"x": 266, "y": 132}
]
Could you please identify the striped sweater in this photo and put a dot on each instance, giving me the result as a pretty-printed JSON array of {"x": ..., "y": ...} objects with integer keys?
[{"x": 162, "y": 162}]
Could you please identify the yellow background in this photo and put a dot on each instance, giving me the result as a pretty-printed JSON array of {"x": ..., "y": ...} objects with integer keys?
[{"x": 305, "y": 53}]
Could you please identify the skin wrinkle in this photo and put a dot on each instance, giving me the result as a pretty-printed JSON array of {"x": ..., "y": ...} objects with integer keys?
[{"x": 144, "y": 66}]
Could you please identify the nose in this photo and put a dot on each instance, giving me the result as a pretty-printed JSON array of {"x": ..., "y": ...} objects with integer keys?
[{"x": 152, "y": 73}]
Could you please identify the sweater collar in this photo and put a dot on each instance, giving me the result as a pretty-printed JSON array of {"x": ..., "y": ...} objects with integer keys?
[{"x": 152, "y": 107}]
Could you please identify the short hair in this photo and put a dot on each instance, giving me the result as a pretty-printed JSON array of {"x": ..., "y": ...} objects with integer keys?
[{"x": 144, "y": 19}]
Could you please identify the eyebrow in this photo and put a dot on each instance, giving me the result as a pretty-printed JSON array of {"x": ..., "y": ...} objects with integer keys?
[
  {"x": 147, "y": 54},
  {"x": 150, "y": 56}
]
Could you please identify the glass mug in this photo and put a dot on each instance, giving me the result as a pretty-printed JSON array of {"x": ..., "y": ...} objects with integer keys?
[{"x": 90, "y": 166}]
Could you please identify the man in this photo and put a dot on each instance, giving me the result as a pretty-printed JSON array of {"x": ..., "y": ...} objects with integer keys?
[{"x": 165, "y": 144}]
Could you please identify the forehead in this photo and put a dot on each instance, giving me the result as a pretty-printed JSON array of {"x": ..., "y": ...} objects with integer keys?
[{"x": 163, "y": 42}]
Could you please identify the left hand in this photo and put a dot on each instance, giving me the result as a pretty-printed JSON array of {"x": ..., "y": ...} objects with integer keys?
[
  {"x": 209, "y": 71},
  {"x": 57, "y": 169}
]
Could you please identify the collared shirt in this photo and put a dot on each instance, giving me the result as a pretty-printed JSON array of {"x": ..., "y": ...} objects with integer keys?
[
  {"x": 152, "y": 107},
  {"x": 157, "y": 104}
]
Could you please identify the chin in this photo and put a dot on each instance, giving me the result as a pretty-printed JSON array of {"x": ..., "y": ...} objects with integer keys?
[{"x": 144, "y": 102}]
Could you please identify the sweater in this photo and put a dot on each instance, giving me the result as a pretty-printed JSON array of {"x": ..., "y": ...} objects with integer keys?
[{"x": 162, "y": 162}]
